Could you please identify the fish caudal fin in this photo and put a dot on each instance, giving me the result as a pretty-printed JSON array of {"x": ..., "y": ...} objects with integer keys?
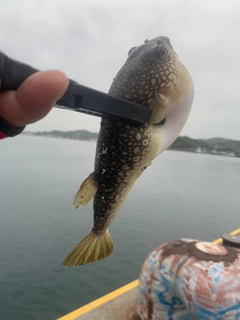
[
  {"x": 86, "y": 191},
  {"x": 92, "y": 248}
]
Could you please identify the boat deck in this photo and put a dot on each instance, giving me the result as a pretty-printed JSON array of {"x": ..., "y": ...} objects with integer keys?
[
  {"x": 117, "y": 305},
  {"x": 121, "y": 307}
]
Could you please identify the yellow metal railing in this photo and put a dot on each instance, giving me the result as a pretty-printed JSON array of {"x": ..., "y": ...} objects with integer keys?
[{"x": 233, "y": 233}]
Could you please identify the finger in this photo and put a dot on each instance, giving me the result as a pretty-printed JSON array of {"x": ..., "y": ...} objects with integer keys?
[{"x": 34, "y": 98}]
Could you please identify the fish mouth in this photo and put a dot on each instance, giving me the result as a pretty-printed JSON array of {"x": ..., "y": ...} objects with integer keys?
[
  {"x": 160, "y": 40},
  {"x": 160, "y": 45}
]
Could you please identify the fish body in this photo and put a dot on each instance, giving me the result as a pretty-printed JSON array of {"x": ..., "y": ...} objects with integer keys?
[{"x": 152, "y": 76}]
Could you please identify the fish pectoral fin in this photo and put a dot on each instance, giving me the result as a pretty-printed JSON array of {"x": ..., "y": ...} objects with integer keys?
[
  {"x": 91, "y": 249},
  {"x": 159, "y": 107},
  {"x": 86, "y": 191}
]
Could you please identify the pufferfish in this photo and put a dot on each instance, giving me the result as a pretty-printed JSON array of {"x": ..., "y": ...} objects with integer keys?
[{"x": 152, "y": 76}]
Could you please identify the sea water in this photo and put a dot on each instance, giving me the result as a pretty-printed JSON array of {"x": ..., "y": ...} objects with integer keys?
[{"x": 179, "y": 195}]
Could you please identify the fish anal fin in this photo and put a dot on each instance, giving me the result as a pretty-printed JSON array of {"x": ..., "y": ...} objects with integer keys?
[
  {"x": 86, "y": 191},
  {"x": 159, "y": 107},
  {"x": 91, "y": 249}
]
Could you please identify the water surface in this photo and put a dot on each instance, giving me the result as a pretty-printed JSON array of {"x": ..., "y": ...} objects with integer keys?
[{"x": 179, "y": 195}]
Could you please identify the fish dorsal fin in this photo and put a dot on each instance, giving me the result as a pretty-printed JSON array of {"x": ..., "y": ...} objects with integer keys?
[
  {"x": 86, "y": 191},
  {"x": 159, "y": 107}
]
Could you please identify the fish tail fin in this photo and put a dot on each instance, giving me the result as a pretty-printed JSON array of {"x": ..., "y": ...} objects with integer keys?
[
  {"x": 92, "y": 248},
  {"x": 86, "y": 191}
]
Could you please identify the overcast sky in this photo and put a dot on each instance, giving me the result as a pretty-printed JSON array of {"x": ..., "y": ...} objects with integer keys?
[{"x": 89, "y": 41}]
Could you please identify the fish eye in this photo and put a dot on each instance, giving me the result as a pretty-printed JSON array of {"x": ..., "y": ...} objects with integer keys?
[
  {"x": 163, "y": 53},
  {"x": 131, "y": 50}
]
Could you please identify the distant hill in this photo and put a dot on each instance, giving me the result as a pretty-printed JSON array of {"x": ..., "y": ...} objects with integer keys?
[
  {"x": 213, "y": 146},
  {"x": 77, "y": 134},
  {"x": 182, "y": 143},
  {"x": 223, "y": 144}
]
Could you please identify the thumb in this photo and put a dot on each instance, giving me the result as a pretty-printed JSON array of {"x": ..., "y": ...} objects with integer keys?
[{"x": 34, "y": 98}]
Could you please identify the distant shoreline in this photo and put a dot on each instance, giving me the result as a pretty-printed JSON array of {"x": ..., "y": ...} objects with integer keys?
[{"x": 215, "y": 146}]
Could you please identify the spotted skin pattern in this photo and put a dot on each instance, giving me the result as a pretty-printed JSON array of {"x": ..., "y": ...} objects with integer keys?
[
  {"x": 124, "y": 151},
  {"x": 146, "y": 72},
  {"x": 152, "y": 76}
]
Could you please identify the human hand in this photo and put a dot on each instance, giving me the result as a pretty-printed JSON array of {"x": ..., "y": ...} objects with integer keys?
[{"x": 33, "y": 99}]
